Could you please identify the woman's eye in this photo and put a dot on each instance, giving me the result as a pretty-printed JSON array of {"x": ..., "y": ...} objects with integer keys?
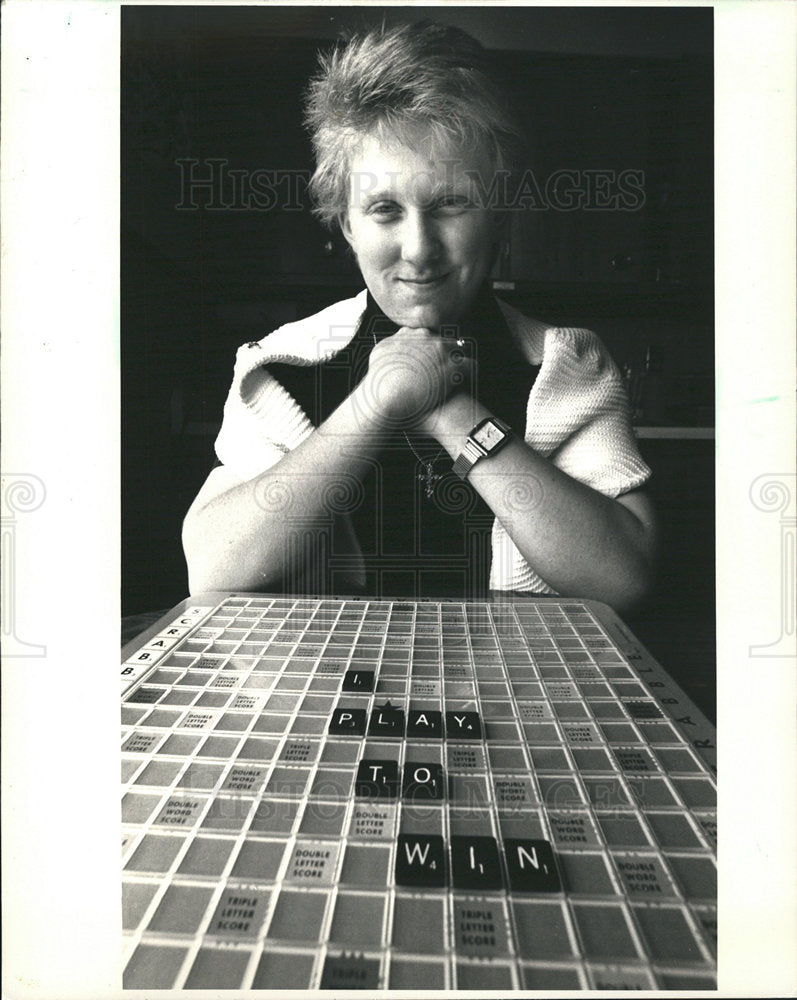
[
  {"x": 452, "y": 199},
  {"x": 452, "y": 203},
  {"x": 384, "y": 209}
]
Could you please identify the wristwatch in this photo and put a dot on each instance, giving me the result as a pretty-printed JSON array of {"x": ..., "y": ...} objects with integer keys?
[{"x": 486, "y": 438}]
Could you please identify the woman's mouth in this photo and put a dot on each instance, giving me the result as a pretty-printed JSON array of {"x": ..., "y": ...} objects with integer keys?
[{"x": 425, "y": 282}]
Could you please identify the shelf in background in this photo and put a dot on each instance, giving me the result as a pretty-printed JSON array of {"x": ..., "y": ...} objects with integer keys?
[{"x": 676, "y": 433}]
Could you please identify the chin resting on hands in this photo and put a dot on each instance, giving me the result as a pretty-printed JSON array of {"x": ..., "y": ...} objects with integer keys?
[{"x": 413, "y": 372}]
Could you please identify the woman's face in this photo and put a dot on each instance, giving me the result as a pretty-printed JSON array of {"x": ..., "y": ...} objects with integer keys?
[{"x": 423, "y": 244}]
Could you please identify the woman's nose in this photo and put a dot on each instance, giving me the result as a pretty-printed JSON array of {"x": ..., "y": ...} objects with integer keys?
[{"x": 420, "y": 242}]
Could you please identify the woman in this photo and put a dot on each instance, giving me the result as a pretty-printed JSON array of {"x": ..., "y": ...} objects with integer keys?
[{"x": 379, "y": 443}]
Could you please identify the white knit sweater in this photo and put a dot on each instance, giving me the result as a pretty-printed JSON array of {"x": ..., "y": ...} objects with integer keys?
[{"x": 577, "y": 414}]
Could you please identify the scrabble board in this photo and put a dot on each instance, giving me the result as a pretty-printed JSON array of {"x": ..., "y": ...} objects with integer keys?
[{"x": 342, "y": 793}]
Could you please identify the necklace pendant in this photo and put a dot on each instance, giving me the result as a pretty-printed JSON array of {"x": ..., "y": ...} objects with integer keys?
[{"x": 429, "y": 479}]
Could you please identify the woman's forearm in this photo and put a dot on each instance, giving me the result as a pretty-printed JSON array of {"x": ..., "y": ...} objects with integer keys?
[
  {"x": 575, "y": 538},
  {"x": 257, "y": 534}
]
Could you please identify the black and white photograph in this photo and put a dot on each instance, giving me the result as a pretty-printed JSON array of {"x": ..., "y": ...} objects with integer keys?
[
  {"x": 416, "y": 442},
  {"x": 403, "y": 226}
]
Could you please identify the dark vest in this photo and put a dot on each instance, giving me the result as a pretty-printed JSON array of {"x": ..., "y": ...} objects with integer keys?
[{"x": 415, "y": 545}]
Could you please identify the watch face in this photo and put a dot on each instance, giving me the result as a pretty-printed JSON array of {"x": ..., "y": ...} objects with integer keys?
[{"x": 489, "y": 435}]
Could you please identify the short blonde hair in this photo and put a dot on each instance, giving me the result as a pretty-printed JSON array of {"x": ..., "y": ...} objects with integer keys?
[{"x": 390, "y": 82}]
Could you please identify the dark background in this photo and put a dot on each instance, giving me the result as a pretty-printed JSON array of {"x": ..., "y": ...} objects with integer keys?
[{"x": 606, "y": 89}]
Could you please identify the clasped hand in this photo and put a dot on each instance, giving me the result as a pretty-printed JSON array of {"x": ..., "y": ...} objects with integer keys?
[{"x": 412, "y": 374}]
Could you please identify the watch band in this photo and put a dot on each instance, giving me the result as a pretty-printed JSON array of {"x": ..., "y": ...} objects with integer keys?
[{"x": 473, "y": 451}]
